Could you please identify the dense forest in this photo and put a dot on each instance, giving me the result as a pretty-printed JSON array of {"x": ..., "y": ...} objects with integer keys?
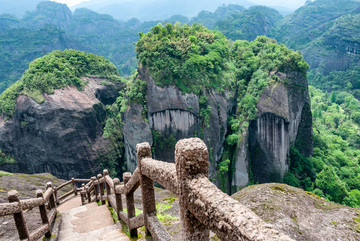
[{"x": 326, "y": 33}]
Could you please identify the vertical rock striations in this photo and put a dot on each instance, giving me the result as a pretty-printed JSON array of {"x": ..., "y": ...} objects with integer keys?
[
  {"x": 63, "y": 135},
  {"x": 283, "y": 119}
]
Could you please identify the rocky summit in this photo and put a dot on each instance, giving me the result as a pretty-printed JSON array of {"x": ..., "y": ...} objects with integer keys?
[{"x": 63, "y": 135}]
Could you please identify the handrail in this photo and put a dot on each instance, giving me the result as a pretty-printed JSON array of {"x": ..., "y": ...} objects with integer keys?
[
  {"x": 47, "y": 203},
  {"x": 203, "y": 207}
]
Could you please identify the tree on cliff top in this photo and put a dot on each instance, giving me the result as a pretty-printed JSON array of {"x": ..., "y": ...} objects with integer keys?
[
  {"x": 53, "y": 71},
  {"x": 189, "y": 57}
]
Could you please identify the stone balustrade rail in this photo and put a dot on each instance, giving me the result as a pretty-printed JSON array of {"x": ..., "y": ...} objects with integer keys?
[{"x": 203, "y": 207}]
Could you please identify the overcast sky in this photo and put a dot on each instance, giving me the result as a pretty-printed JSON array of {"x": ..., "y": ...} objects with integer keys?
[{"x": 284, "y": 3}]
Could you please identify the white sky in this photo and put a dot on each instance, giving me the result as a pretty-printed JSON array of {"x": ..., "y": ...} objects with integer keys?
[
  {"x": 70, "y": 3},
  {"x": 285, "y": 3}
]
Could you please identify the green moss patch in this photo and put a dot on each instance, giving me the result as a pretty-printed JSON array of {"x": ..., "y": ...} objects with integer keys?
[{"x": 56, "y": 70}]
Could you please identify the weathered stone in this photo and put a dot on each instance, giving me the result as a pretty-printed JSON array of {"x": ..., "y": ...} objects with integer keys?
[
  {"x": 301, "y": 215},
  {"x": 191, "y": 159},
  {"x": 176, "y": 115},
  {"x": 63, "y": 135},
  {"x": 284, "y": 119},
  {"x": 136, "y": 130}
]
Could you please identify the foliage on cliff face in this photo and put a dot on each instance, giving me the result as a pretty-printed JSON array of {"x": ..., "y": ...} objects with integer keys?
[
  {"x": 333, "y": 171},
  {"x": 257, "y": 63},
  {"x": 190, "y": 57},
  {"x": 56, "y": 70},
  {"x": 249, "y": 24}
]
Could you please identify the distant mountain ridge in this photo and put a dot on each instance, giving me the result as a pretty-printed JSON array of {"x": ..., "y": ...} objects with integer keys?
[{"x": 157, "y": 9}]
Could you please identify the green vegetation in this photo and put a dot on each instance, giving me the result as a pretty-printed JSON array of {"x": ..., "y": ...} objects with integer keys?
[
  {"x": 53, "y": 71},
  {"x": 209, "y": 19},
  {"x": 3, "y": 173},
  {"x": 334, "y": 170},
  {"x": 6, "y": 159},
  {"x": 310, "y": 21},
  {"x": 248, "y": 24},
  {"x": 257, "y": 63},
  {"x": 190, "y": 57}
]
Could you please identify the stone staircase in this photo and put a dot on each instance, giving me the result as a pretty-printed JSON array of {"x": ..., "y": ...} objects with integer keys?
[{"x": 88, "y": 222}]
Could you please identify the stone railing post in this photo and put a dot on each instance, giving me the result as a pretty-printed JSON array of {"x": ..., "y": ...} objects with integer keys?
[
  {"x": 96, "y": 189},
  {"x": 147, "y": 185},
  {"x": 82, "y": 194},
  {"x": 43, "y": 213},
  {"x": 107, "y": 187},
  {"x": 101, "y": 189},
  {"x": 52, "y": 203},
  {"x": 192, "y": 161},
  {"x": 130, "y": 205},
  {"x": 56, "y": 197},
  {"x": 88, "y": 195},
  {"x": 74, "y": 185},
  {"x": 118, "y": 200},
  {"x": 20, "y": 222}
]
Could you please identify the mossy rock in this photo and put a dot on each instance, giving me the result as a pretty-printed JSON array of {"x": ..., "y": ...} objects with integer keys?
[{"x": 299, "y": 214}]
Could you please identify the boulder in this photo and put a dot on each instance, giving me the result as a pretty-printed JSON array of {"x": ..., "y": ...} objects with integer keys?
[{"x": 63, "y": 135}]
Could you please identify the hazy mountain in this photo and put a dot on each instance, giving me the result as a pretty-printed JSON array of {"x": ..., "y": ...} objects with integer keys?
[
  {"x": 156, "y": 9},
  {"x": 17, "y": 7}
]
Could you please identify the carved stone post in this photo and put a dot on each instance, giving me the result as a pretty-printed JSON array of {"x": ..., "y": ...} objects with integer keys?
[
  {"x": 118, "y": 200},
  {"x": 96, "y": 189},
  {"x": 107, "y": 187},
  {"x": 192, "y": 161},
  {"x": 88, "y": 194},
  {"x": 82, "y": 194},
  {"x": 130, "y": 205},
  {"x": 101, "y": 186},
  {"x": 56, "y": 196},
  {"x": 52, "y": 203},
  {"x": 74, "y": 185},
  {"x": 13, "y": 196},
  {"x": 147, "y": 185},
  {"x": 43, "y": 213}
]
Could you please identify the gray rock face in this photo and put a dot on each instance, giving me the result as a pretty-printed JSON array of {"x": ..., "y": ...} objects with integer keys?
[
  {"x": 62, "y": 136},
  {"x": 284, "y": 119},
  {"x": 269, "y": 147},
  {"x": 135, "y": 130},
  {"x": 174, "y": 115},
  {"x": 49, "y": 13}
]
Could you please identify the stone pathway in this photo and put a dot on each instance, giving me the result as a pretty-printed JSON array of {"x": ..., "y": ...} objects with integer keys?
[{"x": 88, "y": 222}]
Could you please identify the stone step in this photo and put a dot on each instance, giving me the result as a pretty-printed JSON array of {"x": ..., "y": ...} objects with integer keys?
[{"x": 88, "y": 222}]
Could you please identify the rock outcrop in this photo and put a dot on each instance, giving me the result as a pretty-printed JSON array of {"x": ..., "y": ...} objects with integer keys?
[
  {"x": 283, "y": 120},
  {"x": 173, "y": 115},
  {"x": 49, "y": 13},
  {"x": 63, "y": 135},
  {"x": 299, "y": 214}
]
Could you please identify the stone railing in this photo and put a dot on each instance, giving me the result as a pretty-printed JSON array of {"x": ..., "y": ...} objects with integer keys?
[
  {"x": 47, "y": 203},
  {"x": 203, "y": 207}
]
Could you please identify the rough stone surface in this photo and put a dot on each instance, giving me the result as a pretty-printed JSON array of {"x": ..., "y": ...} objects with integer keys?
[
  {"x": 284, "y": 119},
  {"x": 89, "y": 222},
  {"x": 301, "y": 215},
  {"x": 136, "y": 130},
  {"x": 225, "y": 216},
  {"x": 191, "y": 159},
  {"x": 63, "y": 135},
  {"x": 174, "y": 114}
]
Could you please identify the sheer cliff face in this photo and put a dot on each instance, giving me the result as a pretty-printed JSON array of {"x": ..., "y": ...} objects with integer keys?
[
  {"x": 63, "y": 135},
  {"x": 284, "y": 119},
  {"x": 173, "y": 115}
]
